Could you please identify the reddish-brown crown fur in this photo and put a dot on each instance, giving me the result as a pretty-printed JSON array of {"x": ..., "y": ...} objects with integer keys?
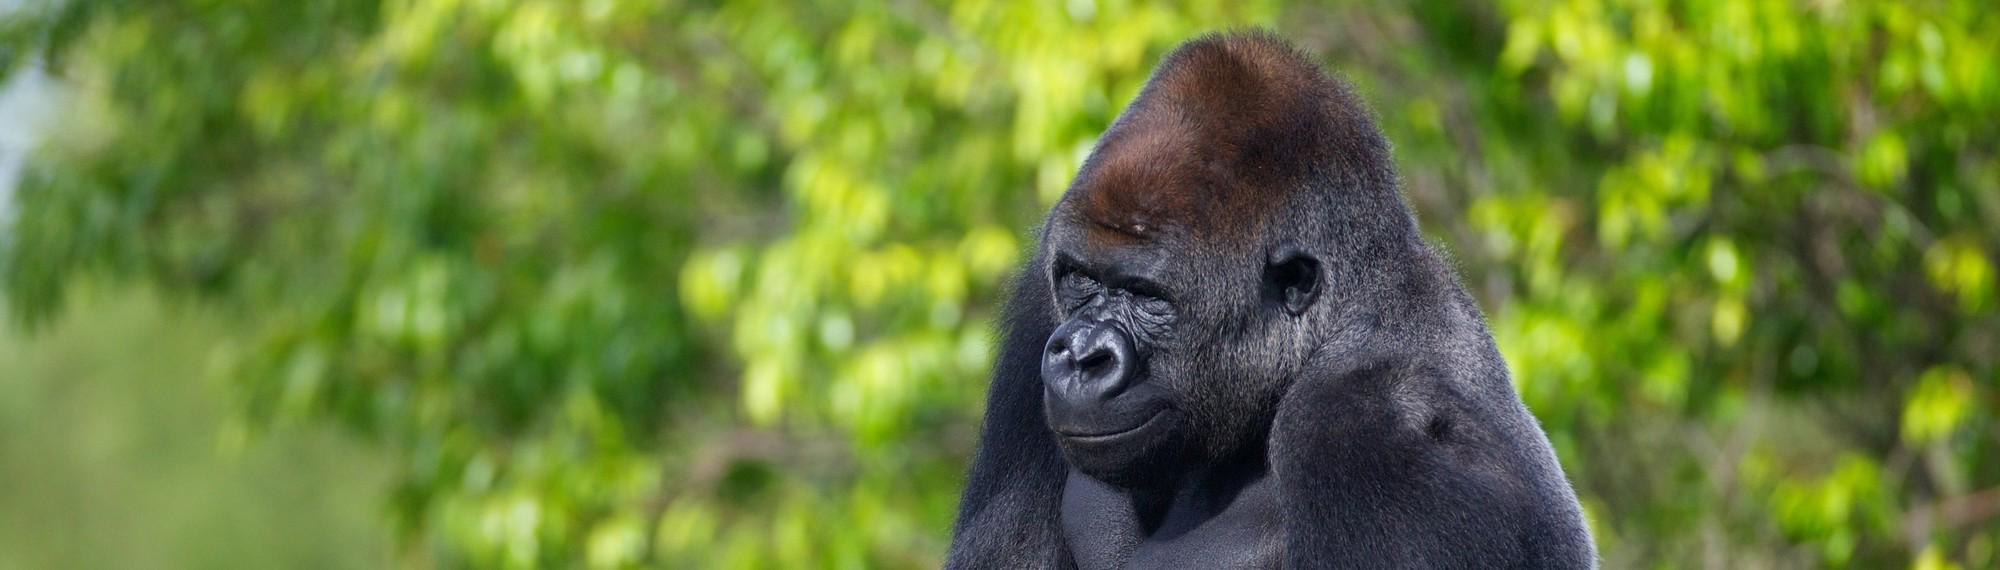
[{"x": 1228, "y": 127}]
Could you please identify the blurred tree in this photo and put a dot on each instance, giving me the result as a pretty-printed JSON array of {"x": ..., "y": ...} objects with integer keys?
[{"x": 622, "y": 282}]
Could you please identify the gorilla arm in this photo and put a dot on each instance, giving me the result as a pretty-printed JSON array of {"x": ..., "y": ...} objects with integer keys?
[{"x": 1010, "y": 514}]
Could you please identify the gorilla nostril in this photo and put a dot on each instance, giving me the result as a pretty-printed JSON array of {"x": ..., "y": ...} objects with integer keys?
[
  {"x": 1057, "y": 349},
  {"x": 1096, "y": 362}
]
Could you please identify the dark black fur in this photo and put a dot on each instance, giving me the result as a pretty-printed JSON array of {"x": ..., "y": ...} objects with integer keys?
[{"x": 1322, "y": 391}]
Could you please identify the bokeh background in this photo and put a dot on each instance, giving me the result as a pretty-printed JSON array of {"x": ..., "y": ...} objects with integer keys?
[{"x": 710, "y": 284}]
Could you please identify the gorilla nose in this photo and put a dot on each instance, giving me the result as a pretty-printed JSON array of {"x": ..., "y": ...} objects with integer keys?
[{"x": 1088, "y": 362}]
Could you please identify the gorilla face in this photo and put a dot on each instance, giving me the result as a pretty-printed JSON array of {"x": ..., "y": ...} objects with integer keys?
[{"x": 1169, "y": 354}]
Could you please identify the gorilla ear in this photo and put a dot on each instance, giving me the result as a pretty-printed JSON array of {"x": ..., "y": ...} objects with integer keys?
[{"x": 1292, "y": 278}]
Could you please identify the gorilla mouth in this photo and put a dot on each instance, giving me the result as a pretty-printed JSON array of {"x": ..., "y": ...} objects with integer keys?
[{"x": 1098, "y": 437}]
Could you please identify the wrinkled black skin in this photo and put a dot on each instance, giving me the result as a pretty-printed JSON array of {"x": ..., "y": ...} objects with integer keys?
[{"x": 1356, "y": 416}]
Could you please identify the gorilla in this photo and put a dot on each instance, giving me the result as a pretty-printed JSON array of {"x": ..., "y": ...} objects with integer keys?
[{"x": 1233, "y": 348}]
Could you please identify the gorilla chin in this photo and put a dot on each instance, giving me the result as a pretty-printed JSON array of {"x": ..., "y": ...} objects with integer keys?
[{"x": 1135, "y": 451}]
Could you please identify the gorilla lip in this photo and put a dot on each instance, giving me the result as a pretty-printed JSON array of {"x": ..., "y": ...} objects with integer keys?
[{"x": 1108, "y": 436}]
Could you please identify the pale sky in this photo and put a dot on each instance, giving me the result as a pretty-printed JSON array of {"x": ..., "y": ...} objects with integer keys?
[
  {"x": 26, "y": 103},
  {"x": 25, "y": 107}
]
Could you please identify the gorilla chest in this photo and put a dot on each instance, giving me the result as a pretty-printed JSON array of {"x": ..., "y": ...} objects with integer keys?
[{"x": 1231, "y": 527}]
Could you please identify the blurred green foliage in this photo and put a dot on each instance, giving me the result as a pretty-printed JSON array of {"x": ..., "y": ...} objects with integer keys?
[
  {"x": 115, "y": 454},
  {"x": 638, "y": 283}
]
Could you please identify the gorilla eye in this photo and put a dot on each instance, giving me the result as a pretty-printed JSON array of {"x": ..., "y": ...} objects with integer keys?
[
  {"x": 1292, "y": 279},
  {"x": 1074, "y": 289}
]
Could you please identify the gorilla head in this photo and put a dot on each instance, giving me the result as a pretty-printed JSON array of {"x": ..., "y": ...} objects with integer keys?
[{"x": 1209, "y": 247}]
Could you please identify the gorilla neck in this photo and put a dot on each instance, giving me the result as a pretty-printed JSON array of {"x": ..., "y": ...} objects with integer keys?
[
  {"x": 1218, "y": 517},
  {"x": 1386, "y": 310},
  {"x": 1186, "y": 501},
  {"x": 1206, "y": 495}
]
